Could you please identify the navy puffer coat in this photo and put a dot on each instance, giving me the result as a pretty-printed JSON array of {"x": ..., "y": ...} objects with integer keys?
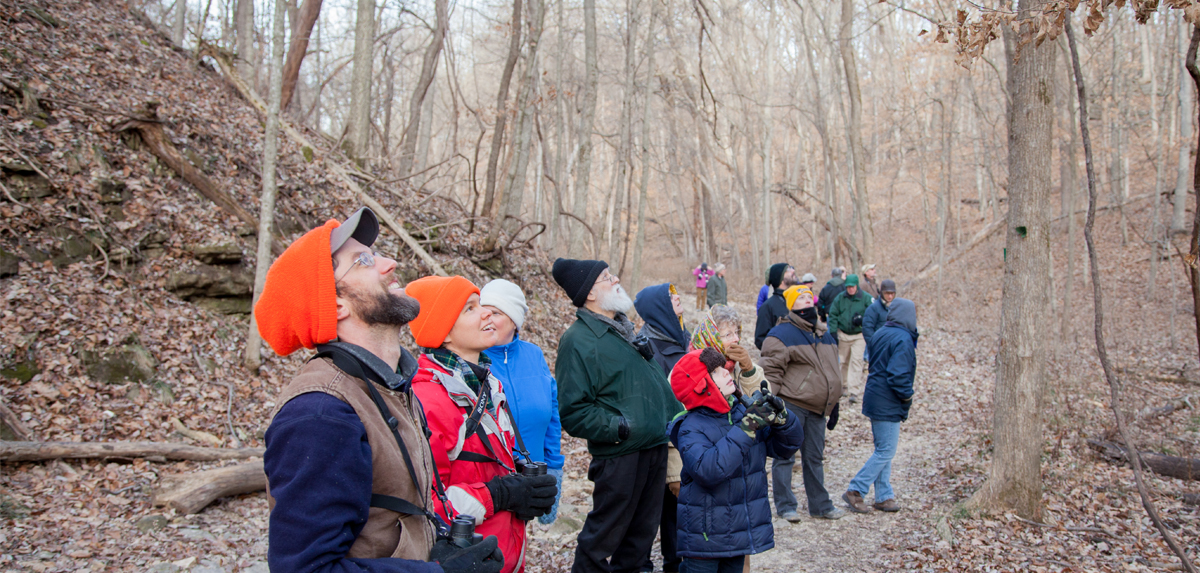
[{"x": 723, "y": 507}]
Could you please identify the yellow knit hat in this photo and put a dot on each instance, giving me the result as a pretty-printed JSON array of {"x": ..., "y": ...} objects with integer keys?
[{"x": 792, "y": 293}]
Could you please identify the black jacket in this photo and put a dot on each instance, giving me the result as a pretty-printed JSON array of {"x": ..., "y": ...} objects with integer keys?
[
  {"x": 825, "y": 299},
  {"x": 768, "y": 315}
]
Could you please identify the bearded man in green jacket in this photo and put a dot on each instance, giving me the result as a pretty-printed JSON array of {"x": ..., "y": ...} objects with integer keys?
[{"x": 613, "y": 395}]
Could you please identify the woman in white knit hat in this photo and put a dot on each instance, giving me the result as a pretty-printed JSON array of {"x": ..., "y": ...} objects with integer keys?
[{"x": 529, "y": 386}]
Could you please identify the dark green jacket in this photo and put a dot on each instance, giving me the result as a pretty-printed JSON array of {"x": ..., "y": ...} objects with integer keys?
[
  {"x": 600, "y": 377},
  {"x": 843, "y": 309},
  {"x": 717, "y": 293}
]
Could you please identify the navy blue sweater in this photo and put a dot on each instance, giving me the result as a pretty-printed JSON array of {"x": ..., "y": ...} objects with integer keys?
[
  {"x": 893, "y": 350},
  {"x": 319, "y": 463}
]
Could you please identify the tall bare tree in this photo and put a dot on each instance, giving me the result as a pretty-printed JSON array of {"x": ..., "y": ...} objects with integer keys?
[
  {"x": 858, "y": 153},
  {"x": 587, "y": 121},
  {"x": 247, "y": 56},
  {"x": 429, "y": 64},
  {"x": 266, "y": 215},
  {"x": 358, "y": 129},
  {"x": 306, "y": 18},
  {"x": 1015, "y": 478},
  {"x": 510, "y": 62}
]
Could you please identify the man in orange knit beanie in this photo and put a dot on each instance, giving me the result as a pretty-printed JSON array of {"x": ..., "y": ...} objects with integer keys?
[{"x": 349, "y": 472}]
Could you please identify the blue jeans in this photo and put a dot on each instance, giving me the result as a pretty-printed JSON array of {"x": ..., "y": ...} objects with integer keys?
[
  {"x": 720, "y": 565},
  {"x": 878, "y": 469}
]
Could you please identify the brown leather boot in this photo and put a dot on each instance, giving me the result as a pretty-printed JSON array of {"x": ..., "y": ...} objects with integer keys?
[
  {"x": 855, "y": 501},
  {"x": 889, "y": 506}
]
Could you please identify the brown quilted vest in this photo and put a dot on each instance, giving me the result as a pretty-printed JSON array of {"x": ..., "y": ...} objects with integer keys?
[{"x": 386, "y": 533}]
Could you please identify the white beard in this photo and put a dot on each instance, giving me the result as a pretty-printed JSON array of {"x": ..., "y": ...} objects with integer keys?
[{"x": 616, "y": 301}]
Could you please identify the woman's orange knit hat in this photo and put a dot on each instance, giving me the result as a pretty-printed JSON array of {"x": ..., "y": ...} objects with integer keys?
[
  {"x": 298, "y": 304},
  {"x": 442, "y": 300}
]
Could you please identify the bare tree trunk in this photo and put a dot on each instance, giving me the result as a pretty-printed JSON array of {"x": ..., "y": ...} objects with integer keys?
[
  {"x": 1187, "y": 115},
  {"x": 1015, "y": 479},
  {"x": 857, "y": 152},
  {"x": 514, "y": 53},
  {"x": 587, "y": 120},
  {"x": 358, "y": 136},
  {"x": 1097, "y": 297},
  {"x": 429, "y": 66},
  {"x": 1069, "y": 180},
  {"x": 621, "y": 166},
  {"x": 1194, "y": 247},
  {"x": 305, "y": 20},
  {"x": 180, "y": 26},
  {"x": 266, "y": 216},
  {"x": 767, "y": 139},
  {"x": 247, "y": 58}
]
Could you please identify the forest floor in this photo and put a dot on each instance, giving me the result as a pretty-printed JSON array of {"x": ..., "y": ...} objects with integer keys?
[{"x": 61, "y": 301}]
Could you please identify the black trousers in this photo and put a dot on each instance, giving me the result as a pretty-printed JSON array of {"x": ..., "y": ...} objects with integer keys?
[
  {"x": 667, "y": 532},
  {"x": 627, "y": 503}
]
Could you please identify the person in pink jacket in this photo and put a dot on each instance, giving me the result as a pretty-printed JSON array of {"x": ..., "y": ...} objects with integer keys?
[{"x": 702, "y": 273}]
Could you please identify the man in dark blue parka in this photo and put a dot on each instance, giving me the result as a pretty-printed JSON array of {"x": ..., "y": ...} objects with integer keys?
[
  {"x": 886, "y": 400},
  {"x": 724, "y": 513}
]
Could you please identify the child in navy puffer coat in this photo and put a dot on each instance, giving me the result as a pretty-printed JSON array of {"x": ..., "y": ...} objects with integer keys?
[{"x": 723, "y": 511}]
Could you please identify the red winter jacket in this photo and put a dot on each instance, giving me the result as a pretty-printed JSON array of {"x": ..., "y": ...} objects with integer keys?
[{"x": 447, "y": 401}]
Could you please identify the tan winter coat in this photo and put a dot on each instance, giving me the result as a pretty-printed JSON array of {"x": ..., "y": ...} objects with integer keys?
[
  {"x": 386, "y": 533},
  {"x": 802, "y": 365}
]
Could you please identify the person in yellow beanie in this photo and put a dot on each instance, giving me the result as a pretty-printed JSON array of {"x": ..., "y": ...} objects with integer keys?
[
  {"x": 472, "y": 432},
  {"x": 349, "y": 472}
]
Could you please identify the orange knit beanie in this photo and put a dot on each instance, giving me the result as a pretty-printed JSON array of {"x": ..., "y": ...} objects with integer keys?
[
  {"x": 442, "y": 300},
  {"x": 298, "y": 304}
]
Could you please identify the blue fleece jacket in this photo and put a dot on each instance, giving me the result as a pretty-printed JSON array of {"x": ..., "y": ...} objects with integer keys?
[
  {"x": 532, "y": 395},
  {"x": 893, "y": 350},
  {"x": 320, "y": 467}
]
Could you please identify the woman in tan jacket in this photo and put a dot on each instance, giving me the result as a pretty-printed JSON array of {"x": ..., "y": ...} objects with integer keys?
[{"x": 800, "y": 360}]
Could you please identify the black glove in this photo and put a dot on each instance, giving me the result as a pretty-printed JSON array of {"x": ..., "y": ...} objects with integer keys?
[
  {"x": 833, "y": 417},
  {"x": 857, "y": 320},
  {"x": 622, "y": 429},
  {"x": 779, "y": 411},
  {"x": 526, "y": 496},
  {"x": 483, "y": 557}
]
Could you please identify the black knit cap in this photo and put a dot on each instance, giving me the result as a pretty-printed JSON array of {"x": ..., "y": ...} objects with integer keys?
[
  {"x": 576, "y": 277},
  {"x": 775, "y": 277}
]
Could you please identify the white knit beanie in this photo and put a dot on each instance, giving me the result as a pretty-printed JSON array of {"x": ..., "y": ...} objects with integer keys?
[{"x": 507, "y": 297}]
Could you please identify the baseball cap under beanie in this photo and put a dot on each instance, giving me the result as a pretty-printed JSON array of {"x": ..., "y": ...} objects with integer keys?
[
  {"x": 576, "y": 277},
  {"x": 442, "y": 300},
  {"x": 298, "y": 304}
]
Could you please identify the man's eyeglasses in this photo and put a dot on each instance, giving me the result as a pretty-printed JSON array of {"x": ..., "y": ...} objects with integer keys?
[
  {"x": 365, "y": 258},
  {"x": 608, "y": 277}
]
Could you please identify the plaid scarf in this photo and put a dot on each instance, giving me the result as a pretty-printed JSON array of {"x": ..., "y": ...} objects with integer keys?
[{"x": 454, "y": 363}]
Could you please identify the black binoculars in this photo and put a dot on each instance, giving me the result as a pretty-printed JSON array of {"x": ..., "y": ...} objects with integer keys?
[
  {"x": 462, "y": 531},
  {"x": 534, "y": 469}
]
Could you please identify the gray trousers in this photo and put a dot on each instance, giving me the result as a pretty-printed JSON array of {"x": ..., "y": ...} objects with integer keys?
[{"x": 812, "y": 460}]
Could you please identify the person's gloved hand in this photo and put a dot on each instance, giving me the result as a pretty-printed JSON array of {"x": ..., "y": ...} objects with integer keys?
[
  {"x": 674, "y": 487},
  {"x": 857, "y": 320},
  {"x": 779, "y": 411},
  {"x": 622, "y": 429},
  {"x": 833, "y": 417},
  {"x": 736, "y": 353},
  {"x": 483, "y": 557},
  {"x": 551, "y": 515},
  {"x": 526, "y": 496},
  {"x": 755, "y": 418}
]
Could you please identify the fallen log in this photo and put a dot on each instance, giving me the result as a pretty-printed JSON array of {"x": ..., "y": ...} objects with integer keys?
[
  {"x": 1170, "y": 466},
  {"x": 150, "y": 129},
  {"x": 44, "y": 451},
  {"x": 190, "y": 493},
  {"x": 10, "y": 420}
]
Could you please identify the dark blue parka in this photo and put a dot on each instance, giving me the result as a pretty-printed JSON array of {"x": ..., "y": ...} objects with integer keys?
[
  {"x": 723, "y": 508},
  {"x": 893, "y": 351},
  {"x": 873, "y": 319}
]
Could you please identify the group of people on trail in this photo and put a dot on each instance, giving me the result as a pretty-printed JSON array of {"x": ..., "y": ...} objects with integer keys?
[{"x": 381, "y": 460}]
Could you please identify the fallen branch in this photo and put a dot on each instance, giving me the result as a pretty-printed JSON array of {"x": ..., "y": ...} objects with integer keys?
[
  {"x": 338, "y": 169},
  {"x": 10, "y": 420},
  {"x": 149, "y": 127},
  {"x": 1074, "y": 529},
  {"x": 44, "y": 451},
  {"x": 1161, "y": 464},
  {"x": 190, "y": 493}
]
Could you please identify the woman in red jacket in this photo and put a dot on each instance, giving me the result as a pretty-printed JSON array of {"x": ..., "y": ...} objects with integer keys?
[{"x": 473, "y": 435}]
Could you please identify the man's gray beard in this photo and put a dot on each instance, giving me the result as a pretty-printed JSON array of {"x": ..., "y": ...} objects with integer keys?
[{"x": 617, "y": 300}]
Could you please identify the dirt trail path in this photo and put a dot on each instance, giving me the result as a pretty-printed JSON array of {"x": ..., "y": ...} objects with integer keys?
[{"x": 934, "y": 435}]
